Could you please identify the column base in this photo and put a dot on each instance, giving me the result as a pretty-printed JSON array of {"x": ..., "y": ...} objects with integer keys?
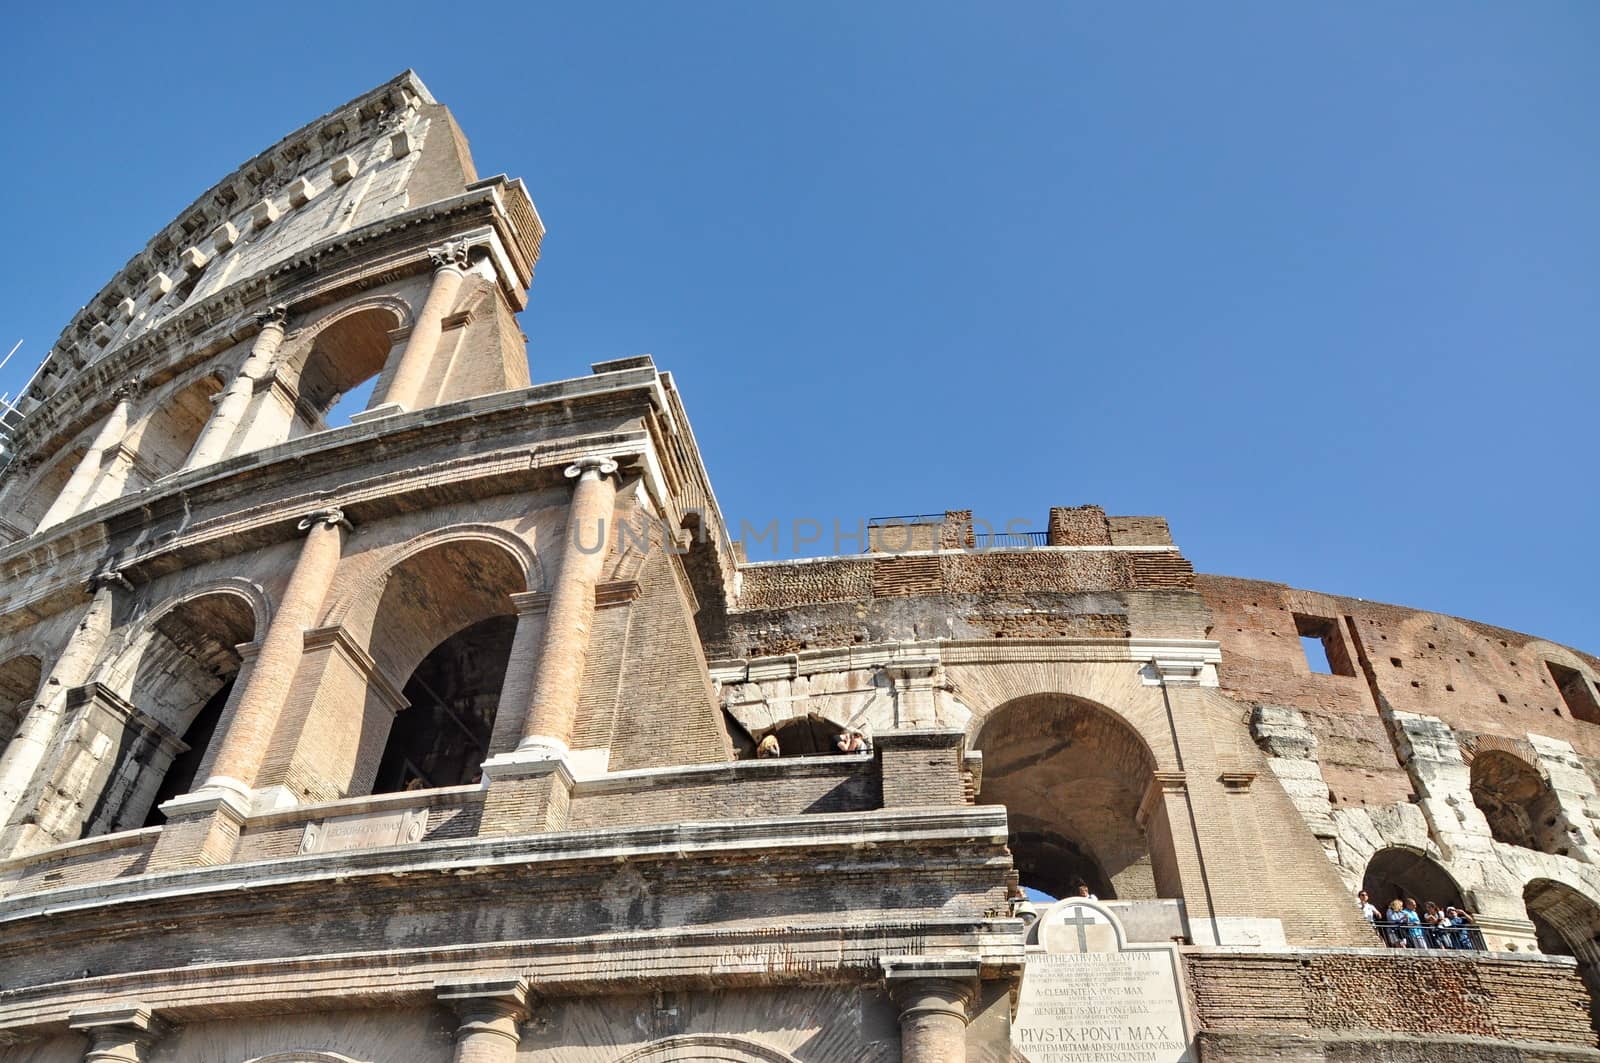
[
  {"x": 202, "y": 828},
  {"x": 377, "y": 413},
  {"x": 529, "y": 792}
]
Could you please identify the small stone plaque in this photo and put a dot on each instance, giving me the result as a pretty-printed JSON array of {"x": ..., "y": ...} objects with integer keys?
[
  {"x": 373, "y": 830},
  {"x": 1090, "y": 997}
]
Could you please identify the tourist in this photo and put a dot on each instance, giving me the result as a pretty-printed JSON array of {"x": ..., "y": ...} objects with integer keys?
[
  {"x": 1462, "y": 920},
  {"x": 1394, "y": 936},
  {"x": 1419, "y": 937},
  {"x": 1369, "y": 911},
  {"x": 851, "y": 742},
  {"x": 1436, "y": 926},
  {"x": 768, "y": 747},
  {"x": 1082, "y": 890}
]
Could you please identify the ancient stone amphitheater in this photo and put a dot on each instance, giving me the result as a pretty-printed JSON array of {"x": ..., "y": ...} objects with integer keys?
[{"x": 433, "y": 735}]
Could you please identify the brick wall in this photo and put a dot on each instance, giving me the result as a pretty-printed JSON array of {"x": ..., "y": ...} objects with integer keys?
[{"x": 1361, "y": 992}]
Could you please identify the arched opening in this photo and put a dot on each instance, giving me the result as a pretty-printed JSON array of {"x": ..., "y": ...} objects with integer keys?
[
  {"x": 445, "y": 620},
  {"x": 162, "y": 701},
  {"x": 343, "y": 364},
  {"x": 1567, "y": 923},
  {"x": 19, "y": 682},
  {"x": 1072, "y": 776},
  {"x": 442, "y": 738},
  {"x": 802, "y": 736},
  {"x": 46, "y": 488},
  {"x": 1519, "y": 805},
  {"x": 165, "y": 438},
  {"x": 1397, "y": 874}
]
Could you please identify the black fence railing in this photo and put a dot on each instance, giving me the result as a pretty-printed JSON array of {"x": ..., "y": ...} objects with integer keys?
[{"x": 1401, "y": 936}]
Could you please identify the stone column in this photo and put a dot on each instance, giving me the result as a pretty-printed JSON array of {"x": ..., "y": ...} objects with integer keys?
[
  {"x": 249, "y": 733},
  {"x": 516, "y": 692},
  {"x": 559, "y": 678},
  {"x": 72, "y": 668},
  {"x": 118, "y": 1034},
  {"x": 489, "y": 1013},
  {"x": 411, "y": 370},
  {"x": 88, "y": 470},
  {"x": 235, "y": 399},
  {"x": 932, "y": 993}
]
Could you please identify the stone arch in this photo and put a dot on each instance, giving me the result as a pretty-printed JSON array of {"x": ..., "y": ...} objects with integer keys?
[
  {"x": 1516, "y": 799},
  {"x": 438, "y": 625},
  {"x": 47, "y": 483},
  {"x": 1566, "y": 922},
  {"x": 1073, "y": 775},
  {"x": 1400, "y": 872},
  {"x": 164, "y": 436},
  {"x": 20, "y": 677},
  {"x": 303, "y": 1056},
  {"x": 1576, "y": 686},
  {"x": 706, "y": 1048},
  {"x": 337, "y": 354},
  {"x": 351, "y": 609},
  {"x": 161, "y": 696}
]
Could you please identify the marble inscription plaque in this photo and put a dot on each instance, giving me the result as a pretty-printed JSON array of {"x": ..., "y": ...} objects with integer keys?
[
  {"x": 1090, "y": 997},
  {"x": 373, "y": 830}
]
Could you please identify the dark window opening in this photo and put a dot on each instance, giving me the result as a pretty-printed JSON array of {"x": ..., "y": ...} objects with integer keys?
[
  {"x": 1324, "y": 646},
  {"x": 185, "y": 769},
  {"x": 1575, "y": 691},
  {"x": 442, "y": 739}
]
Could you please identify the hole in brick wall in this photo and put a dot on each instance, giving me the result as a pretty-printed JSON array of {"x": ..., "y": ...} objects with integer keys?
[
  {"x": 1450, "y": 688},
  {"x": 1431, "y": 646},
  {"x": 1323, "y": 643},
  {"x": 1575, "y": 691},
  {"x": 1504, "y": 700},
  {"x": 1416, "y": 684},
  {"x": 1395, "y": 661}
]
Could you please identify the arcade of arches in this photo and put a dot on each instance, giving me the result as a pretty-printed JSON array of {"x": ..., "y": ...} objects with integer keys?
[{"x": 1071, "y": 775}]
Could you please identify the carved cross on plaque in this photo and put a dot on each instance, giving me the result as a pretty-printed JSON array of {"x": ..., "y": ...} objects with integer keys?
[{"x": 1080, "y": 921}]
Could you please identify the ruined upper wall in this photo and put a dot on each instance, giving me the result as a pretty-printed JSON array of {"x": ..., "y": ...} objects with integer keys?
[
  {"x": 1477, "y": 678},
  {"x": 1087, "y": 576}
]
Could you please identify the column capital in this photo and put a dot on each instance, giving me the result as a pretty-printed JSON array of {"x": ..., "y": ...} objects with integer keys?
[
  {"x": 332, "y": 515},
  {"x": 506, "y": 997},
  {"x": 108, "y": 577},
  {"x": 117, "y": 1032},
  {"x": 275, "y": 316},
  {"x": 451, "y": 255},
  {"x": 591, "y": 469},
  {"x": 943, "y": 984}
]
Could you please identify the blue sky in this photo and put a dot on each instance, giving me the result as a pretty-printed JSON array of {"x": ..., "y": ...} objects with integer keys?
[{"x": 1317, "y": 282}]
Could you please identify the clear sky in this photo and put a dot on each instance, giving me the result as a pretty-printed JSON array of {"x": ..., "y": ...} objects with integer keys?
[{"x": 1318, "y": 282}]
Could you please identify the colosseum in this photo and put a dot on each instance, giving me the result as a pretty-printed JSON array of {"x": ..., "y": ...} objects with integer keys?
[{"x": 460, "y": 728}]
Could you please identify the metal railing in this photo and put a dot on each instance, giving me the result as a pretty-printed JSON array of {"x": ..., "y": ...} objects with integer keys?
[
  {"x": 1401, "y": 936},
  {"x": 992, "y": 540},
  {"x": 910, "y": 518}
]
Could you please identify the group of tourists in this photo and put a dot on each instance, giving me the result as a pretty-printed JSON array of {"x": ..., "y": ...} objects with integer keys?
[
  {"x": 846, "y": 741},
  {"x": 1405, "y": 926}
]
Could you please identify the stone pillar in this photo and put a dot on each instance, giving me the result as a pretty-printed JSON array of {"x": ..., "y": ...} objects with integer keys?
[
  {"x": 559, "y": 678},
  {"x": 932, "y": 993},
  {"x": 72, "y": 668},
  {"x": 411, "y": 370},
  {"x": 235, "y": 399},
  {"x": 121, "y": 1034},
  {"x": 88, "y": 470},
  {"x": 516, "y": 692},
  {"x": 489, "y": 1013},
  {"x": 249, "y": 734}
]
